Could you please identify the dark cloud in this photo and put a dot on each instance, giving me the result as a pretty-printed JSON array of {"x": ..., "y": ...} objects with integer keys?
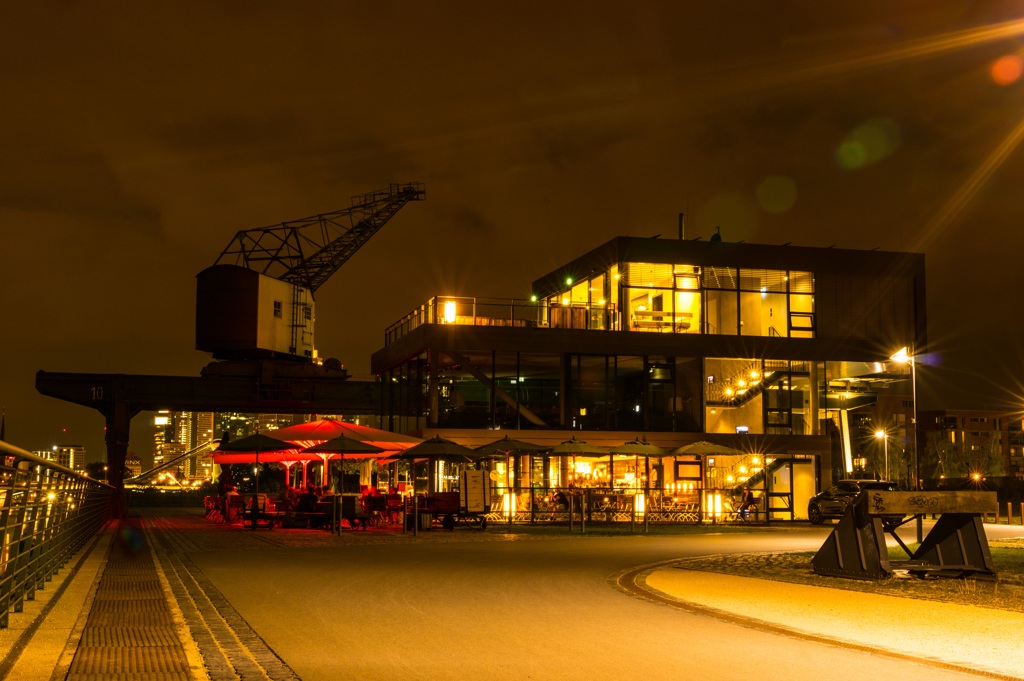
[{"x": 50, "y": 176}]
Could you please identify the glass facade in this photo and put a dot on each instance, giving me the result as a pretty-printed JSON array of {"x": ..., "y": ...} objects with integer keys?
[
  {"x": 761, "y": 396},
  {"x": 682, "y": 298}
]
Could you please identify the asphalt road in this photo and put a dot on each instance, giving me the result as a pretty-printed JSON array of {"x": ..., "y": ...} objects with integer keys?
[{"x": 474, "y": 606}]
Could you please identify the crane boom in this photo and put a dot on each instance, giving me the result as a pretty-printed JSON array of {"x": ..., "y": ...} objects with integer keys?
[
  {"x": 256, "y": 301},
  {"x": 306, "y": 252}
]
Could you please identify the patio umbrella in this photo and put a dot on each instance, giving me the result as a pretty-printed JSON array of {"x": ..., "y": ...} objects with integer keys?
[
  {"x": 255, "y": 444},
  {"x": 507, "y": 445},
  {"x": 580, "y": 450},
  {"x": 704, "y": 447},
  {"x": 245, "y": 449},
  {"x": 438, "y": 448},
  {"x": 638, "y": 448},
  {"x": 576, "y": 447},
  {"x": 314, "y": 432},
  {"x": 341, "y": 446}
]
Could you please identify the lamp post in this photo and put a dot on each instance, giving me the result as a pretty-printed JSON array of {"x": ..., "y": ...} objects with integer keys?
[
  {"x": 903, "y": 356},
  {"x": 885, "y": 440}
]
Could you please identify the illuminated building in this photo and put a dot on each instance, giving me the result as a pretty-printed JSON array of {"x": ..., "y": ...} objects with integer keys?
[
  {"x": 766, "y": 349},
  {"x": 69, "y": 456},
  {"x": 959, "y": 442}
]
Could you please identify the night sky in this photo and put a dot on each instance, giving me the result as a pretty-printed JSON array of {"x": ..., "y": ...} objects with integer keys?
[{"x": 138, "y": 138}]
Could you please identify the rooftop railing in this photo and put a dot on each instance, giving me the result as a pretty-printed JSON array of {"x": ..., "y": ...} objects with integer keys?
[
  {"x": 47, "y": 513},
  {"x": 504, "y": 312}
]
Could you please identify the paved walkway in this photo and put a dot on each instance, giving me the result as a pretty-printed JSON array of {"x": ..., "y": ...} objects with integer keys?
[
  {"x": 134, "y": 607},
  {"x": 956, "y": 636}
]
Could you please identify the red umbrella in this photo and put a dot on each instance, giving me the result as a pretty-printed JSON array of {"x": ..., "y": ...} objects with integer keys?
[{"x": 315, "y": 432}]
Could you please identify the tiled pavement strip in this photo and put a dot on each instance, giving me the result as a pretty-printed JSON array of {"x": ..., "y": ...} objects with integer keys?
[{"x": 133, "y": 606}]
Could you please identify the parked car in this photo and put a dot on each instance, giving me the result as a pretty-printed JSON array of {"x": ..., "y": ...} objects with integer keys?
[{"x": 832, "y": 503}]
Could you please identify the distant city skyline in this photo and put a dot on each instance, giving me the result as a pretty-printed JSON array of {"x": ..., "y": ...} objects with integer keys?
[{"x": 539, "y": 131}]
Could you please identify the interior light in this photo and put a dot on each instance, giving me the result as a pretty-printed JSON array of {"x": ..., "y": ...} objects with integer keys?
[
  {"x": 449, "y": 312},
  {"x": 565, "y": 301}
]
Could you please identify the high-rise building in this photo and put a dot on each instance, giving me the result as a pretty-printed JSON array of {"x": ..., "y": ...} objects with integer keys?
[{"x": 69, "y": 456}]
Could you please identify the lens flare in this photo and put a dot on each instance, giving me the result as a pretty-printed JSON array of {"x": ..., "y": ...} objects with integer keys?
[
  {"x": 868, "y": 144},
  {"x": 1007, "y": 70},
  {"x": 776, "y": 194}
]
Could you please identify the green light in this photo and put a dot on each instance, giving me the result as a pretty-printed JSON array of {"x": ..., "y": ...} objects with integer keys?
[
  {"x": 533, "y": 298},
  {"x": 568, "y": 281}
]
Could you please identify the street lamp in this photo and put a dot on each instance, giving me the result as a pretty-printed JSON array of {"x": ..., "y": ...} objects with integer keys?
[
  {"x": 903, "y": 356},
  {"x": 885, "y": 439}
]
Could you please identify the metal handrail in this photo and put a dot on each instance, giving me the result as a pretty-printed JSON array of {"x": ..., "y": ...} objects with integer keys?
[
  {"x": 472, "y": 311},
  {"x": 47, "y": 513}
]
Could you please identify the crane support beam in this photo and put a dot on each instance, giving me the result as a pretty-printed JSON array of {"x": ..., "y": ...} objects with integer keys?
[
  {"x": 306, "y": 252},
  {"x": 265, "y": 387}
]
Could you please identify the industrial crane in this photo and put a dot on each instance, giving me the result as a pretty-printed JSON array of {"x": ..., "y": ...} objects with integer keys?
[{"x": 256, "y": 301}]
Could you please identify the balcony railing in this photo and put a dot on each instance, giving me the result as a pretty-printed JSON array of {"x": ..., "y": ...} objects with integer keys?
[{"x": 504, "y": 312}]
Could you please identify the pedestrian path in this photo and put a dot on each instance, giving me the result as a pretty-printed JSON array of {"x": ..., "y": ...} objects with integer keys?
[
  {"x": 132, "y": 627},
  {"x": 133, "y": 609},
  {"x": 950, "y": 635}
]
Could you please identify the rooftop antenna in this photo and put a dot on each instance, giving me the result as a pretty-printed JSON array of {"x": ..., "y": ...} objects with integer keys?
[{"x": 682, "y": 227}]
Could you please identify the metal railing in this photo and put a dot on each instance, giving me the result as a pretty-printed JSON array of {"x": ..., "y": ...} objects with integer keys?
[
  {"x": 469, "y": 311},
  {"x": 580, "y": 507},
  {"x": 47, "y": 513}
]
